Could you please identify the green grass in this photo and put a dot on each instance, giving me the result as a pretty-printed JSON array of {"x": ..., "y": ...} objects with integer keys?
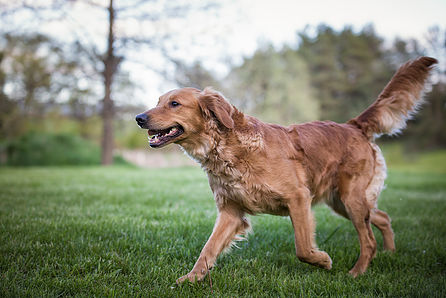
[
  {"x": 398, "y": 159},
  {"x": 120, "y": 231}
]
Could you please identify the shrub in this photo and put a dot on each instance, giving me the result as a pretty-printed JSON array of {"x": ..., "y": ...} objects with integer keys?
[{"x": 33, "y": 149}]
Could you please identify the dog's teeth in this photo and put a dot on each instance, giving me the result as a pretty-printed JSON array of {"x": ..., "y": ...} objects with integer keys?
[{"x": 172, "y": 131}]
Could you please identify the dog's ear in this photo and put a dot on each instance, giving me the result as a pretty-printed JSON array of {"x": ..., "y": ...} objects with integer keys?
[{"x": 213, "y": 101}]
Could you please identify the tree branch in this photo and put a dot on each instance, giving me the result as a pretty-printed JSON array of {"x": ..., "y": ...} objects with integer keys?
[{"x": 134, "y": 5}]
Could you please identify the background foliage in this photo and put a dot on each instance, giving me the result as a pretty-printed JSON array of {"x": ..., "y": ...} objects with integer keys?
[{"x": 325, "y": 74}]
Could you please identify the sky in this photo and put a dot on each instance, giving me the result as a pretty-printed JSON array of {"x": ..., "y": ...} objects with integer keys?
[
  {"x": 279, "y": 19},
  {"x": 238, "y": 27}
]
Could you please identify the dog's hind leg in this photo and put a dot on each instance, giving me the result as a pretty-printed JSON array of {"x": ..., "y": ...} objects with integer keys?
[
  {"x": 303, "y": 223},
  {"x": 381, "y": 220},
  {"x": 360, "y": 217},
  {"x": 353, "y": 196},
  {"x": 378, "y": 218}
]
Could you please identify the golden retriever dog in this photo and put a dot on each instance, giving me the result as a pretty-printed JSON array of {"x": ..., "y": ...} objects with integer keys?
[{"x": 255, "y": 167}]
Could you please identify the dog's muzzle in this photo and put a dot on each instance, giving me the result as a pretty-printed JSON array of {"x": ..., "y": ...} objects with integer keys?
[{"x": 142, "y": 120}]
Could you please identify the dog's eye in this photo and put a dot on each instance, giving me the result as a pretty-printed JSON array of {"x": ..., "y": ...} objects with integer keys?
[{"x": 174, "y": 103}]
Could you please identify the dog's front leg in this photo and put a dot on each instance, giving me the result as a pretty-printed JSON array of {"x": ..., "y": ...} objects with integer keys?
[
  {"x": 230, "y": 222},
  {"x": 303, "y": 223}
]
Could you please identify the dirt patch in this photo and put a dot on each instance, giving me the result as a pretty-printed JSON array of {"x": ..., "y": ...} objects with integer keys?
[{"x": 151, "y": 158}]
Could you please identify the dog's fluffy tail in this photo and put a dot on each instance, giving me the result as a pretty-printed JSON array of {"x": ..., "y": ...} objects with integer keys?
[{"x": 398, "y": 101}]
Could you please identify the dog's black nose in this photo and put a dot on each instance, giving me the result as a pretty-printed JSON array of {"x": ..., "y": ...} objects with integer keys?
[{"x": 141, "y": 119}]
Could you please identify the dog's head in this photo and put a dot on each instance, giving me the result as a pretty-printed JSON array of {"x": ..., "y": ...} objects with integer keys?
[{"x": 181, "y": 114}]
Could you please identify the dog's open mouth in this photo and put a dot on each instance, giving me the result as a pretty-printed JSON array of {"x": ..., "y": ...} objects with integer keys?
[{"x": 158, "y": 138}]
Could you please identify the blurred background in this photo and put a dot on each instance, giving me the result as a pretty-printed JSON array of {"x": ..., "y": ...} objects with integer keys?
[{"x": 74, "y": 73}]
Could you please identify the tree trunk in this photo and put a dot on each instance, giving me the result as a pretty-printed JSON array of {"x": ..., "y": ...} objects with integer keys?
[
  {"x": 107, "y": 123},
  {"x": 108, "y": 112}
]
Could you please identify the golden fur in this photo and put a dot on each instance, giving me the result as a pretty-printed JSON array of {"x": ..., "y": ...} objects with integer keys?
[{"x": 254, "y": 167}]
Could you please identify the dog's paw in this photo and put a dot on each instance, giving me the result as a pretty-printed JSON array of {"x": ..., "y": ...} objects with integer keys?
[
  {"x": 192, "y": 276},
  {"x": 326, "y": 262},
  {"x": 357, "y": 270},
  {"x": 390, "y": 247},
  {"x": 354, "y": 273}
]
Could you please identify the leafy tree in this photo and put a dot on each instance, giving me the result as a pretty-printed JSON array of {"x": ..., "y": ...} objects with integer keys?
[
  {"x": 194, "y": 75},
  {"x": 33, "y": 82},
  {"x": 348, "y": 69},
  {"x": 7, "y": 106},
  {"x": 274, "y": 86},
  {"x": 152, "y": 19},
  {"x": 428, "y": 129}
]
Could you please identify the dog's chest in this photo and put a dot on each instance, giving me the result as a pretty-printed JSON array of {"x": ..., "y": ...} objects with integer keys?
[
  {"x": 252, "y": 198},
  {"x": 235, "y": 181}
]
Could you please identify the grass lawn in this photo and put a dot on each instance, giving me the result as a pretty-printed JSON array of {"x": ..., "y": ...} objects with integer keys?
[{"x": 123, "y": 231}]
